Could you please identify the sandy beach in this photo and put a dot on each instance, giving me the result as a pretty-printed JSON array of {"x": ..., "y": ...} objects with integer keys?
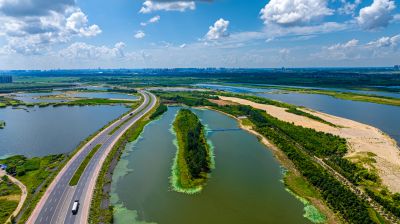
[{"x": 362, "y": 139}]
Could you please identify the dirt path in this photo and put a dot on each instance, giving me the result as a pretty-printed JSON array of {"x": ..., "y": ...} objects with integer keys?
[
  {"x": 362, "y": 139},
  {"x": 23, "y": 193}
]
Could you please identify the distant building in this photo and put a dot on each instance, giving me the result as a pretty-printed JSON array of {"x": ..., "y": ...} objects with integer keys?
[
  {"x": 397, "y": 67},
  {"x": 6, "y": 79}
]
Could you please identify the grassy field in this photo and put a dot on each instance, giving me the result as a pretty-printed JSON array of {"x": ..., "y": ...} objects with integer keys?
[
  {"x": 6, "y": 209},
  {"x": 75, "y": 179},
  {"x": 34, "y": 173},
  {"x": 9, "y": 196}
]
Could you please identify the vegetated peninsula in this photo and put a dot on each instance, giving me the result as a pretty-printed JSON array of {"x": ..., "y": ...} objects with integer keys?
[{"x": 192, "y": 164}]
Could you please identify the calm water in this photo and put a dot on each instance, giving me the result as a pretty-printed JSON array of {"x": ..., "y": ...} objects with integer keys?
[
  {"x": 245, "y": 186},
  {"x": 268, "y": 88},
  {"x": 51, "y": 130},
  {"x": 104, "y": 95},
  {"x": 35, "y": 97},
  {"x": 384, "y": 117}
]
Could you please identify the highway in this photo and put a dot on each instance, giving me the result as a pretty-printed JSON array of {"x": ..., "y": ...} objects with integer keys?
[{"x": 56, "y": 204}]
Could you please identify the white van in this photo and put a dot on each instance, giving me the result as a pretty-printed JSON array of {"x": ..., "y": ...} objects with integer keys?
[{"x": 75, "y": 207}]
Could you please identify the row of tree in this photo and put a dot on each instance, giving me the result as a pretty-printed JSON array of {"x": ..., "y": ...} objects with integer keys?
[
  {"x": 338, "y": 196},
  {"x": 194, "y": 159}
]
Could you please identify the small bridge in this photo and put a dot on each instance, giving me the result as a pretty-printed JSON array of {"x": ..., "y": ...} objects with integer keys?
[{"x": 224, "y": 129}]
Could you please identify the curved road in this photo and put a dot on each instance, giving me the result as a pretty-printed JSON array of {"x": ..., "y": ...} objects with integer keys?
[{"x": 56, "y": 204}]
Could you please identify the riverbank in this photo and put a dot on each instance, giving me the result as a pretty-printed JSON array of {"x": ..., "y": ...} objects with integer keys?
[
  {"x": 362, "y": 139},
  {"x": 346, "y": 95},
  {"x": 101, "y": 209},
  {"x": 293, "y": 179}
]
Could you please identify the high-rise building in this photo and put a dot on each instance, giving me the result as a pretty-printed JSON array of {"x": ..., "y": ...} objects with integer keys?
[
  {"x": 6, "y": 79},
  {"x": 397, "y": 67}
]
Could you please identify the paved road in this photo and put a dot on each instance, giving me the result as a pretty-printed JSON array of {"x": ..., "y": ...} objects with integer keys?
[{"x": 56, "y": 204}]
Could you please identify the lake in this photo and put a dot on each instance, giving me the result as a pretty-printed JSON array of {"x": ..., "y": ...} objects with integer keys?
[
  {"x": 384, "y": 117},
  {"x": 271, "y": 89},
  {"x": 35, "y": 97},
  {"x": 245, "y": 186},
  {"x": 51, "y": 130}
]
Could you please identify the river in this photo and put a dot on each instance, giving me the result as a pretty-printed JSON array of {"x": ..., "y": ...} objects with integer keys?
[{"x": 245, "y": 186}]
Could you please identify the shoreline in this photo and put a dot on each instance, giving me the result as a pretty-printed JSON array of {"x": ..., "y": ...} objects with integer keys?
[
  {"x": 175, "y": 178},
  {"x": 292, "y": 172},
  {"x": 362, "y": 139}
]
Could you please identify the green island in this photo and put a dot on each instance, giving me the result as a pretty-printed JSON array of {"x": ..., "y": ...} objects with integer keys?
[
  {"x": 192, "y": 163},
  {"x": 77, "y": 175},
  {"x": 2, "y": 124},
  {"x": 301, "y": 146}
]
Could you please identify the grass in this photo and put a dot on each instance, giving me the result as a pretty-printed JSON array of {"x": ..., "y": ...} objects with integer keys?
[
  {"x": 296, "y": 111},
  {"x": 6, "y": 209},
  {"x": 8, "y": 201},
  {"x": 35, "y": 173},
  {"x": 78, "y": 173},
  {"x": 8, "y": 188}
]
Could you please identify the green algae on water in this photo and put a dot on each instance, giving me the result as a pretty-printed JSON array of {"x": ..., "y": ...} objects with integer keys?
[
  {"x": 175, "y": 174},
  {"x": 310, "y": 211},
  {"x": 124, "y": 215}
]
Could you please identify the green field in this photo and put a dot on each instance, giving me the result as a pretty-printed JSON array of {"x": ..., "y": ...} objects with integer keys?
[{"x": 35, "y": 173}]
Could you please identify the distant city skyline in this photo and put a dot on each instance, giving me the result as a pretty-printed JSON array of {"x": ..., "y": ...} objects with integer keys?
[{"x": 69, "y": 34}]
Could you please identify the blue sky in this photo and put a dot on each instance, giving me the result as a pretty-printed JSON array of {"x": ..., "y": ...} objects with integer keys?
[{"x": 42, "y": 34}]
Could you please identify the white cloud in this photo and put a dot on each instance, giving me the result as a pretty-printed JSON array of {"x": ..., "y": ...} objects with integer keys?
[
  {"x": 348, "y": 7},
  {"x": 182, "y": 45},
  {"x": 218, "y": 30},
  {"x": 294, "y": 12},
  {"x": 81, "y": 50},
  {"x": 377, "y": 15},
  {"x": 181, "y": 6},
  {"x": 77, "y": 22},
  {"x": 154, "y": 19},
  {"x": 139, "y": 34},
  {"x": 396, "y": 18},
  {"x": 353, "y": 49},
  {"x": 385, "y": 42},
  {"x": 31, "y": 27}
]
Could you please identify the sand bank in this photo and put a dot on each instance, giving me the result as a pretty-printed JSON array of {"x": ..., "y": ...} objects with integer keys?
[{"x": 361, "y": 138}]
